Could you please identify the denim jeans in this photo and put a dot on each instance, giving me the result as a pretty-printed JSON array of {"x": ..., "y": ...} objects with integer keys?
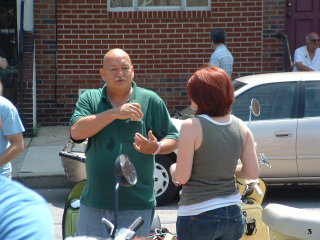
[
  {"x": 226, "y": 223},
  {"x": 89, "y": 221}
]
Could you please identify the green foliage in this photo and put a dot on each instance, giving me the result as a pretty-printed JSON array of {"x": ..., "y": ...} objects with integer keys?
[{"x": 36, "y": 129}]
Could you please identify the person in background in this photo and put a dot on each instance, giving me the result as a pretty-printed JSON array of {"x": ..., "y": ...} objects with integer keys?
[
  {"x": 24, "y": 214},
  {"x": 307, "y": 58},
  {"x": 11, "y": 138},
  {"x": 221, "y": 57},
  {"x": 120, "y": 118},
  {"x": 3, "y": 68},
  {"x": 210, "y": 145}
]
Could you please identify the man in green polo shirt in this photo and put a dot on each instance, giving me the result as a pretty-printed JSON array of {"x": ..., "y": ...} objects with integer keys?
[{"x": 120, "y": 118}]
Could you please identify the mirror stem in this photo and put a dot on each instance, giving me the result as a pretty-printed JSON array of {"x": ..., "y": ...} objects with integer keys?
[{"x": 115, "y": 213}]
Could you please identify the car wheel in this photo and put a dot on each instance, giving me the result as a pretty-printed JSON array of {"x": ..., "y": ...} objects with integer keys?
[{"x": 164, "y": 188}]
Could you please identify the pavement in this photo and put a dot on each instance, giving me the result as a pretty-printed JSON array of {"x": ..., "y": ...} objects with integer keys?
[{"x": 39, "y": 166}]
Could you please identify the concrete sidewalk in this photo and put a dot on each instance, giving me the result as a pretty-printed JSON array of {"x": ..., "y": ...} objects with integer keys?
[{"x": 39, "y": 166}]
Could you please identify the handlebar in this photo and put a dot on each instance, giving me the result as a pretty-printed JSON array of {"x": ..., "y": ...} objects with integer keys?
[
  {"x": 121, "y": 234},
  {"x": 257, "y": 189},
  {"x": 72, "y": 156},
  {"x": 136, "y": 224},
  {"x": 254, "y": 183},
  {"x": 128, "y": 233}
]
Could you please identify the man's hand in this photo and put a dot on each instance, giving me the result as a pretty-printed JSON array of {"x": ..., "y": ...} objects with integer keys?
[
  {"x": 130, "y": 110},
  {"x": 144, "y": 145},
  {"x": 88, "y": 126},
  {"x": 302, "y": 67}
]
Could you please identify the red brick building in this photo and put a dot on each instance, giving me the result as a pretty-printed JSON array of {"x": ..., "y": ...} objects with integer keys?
[{"x": 166, "y": 46}]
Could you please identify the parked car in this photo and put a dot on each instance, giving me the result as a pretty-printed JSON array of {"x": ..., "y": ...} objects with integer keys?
[{"x": 287, "y": 130}]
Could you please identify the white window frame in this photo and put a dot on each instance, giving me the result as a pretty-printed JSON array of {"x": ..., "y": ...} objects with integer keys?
[{"x": 135, "y": 7}]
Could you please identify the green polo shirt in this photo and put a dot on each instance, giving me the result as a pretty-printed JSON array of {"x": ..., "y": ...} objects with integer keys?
[{"x": 118, "y": 138}]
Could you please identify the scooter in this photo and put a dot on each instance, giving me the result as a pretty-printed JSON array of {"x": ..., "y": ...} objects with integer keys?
[
  {"x": 252, "y": 196},
  {"x": 126, "y": 176},
  {"x": 275, "y": 221},
  {"x": 286, "y": 223}
]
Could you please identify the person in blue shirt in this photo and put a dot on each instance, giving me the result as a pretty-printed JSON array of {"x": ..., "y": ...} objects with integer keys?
[
  {"x": 221, "y": 57},
  {"x": 11, "y": 138},
  {"x": 4, "y": 76},
  {"x": 24, "y": 214}
]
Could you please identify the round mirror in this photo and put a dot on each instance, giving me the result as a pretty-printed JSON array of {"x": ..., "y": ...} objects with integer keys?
[
  {"x": 125, "y": 171},
  {"x": 255, "y": 107}
]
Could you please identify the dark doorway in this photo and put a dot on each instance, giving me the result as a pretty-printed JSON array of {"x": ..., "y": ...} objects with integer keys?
[
  {"x": 8, "y": 31},
  {"x": 302, "y": 17},
  {"x": 9, "y": 48}
]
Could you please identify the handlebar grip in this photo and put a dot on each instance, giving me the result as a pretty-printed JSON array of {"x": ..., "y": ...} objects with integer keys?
[
  {"x": 72, "y": 156},
  {"x": 136, "y": 224},
  {"x": 257, "y": 189}
]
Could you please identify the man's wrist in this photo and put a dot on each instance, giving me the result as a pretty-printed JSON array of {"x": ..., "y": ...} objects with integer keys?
[{"x": 158, "y": 149}]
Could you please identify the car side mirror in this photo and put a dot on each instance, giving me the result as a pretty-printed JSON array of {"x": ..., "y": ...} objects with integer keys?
[{"x": 255, "y": 107}]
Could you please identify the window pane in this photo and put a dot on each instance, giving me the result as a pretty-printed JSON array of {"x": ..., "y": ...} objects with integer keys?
[
  {"x": 159, "y": 3},
  {"x": 276, "y": 101},
  {"x": 121, "y": 3},
  {"x": 237, "y": 85},
  {"x": 312, "y": 99},
  {"x": 197, "y": 3}
]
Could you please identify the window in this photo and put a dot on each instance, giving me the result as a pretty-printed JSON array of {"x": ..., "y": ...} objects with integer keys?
[
  {"x": 312, "y": 99},
  {"x": 276, "y": 101},
  {"x": 158, "y": 5}
]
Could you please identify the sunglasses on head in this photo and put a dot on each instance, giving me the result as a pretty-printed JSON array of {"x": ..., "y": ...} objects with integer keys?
[{"x": 314, "y": 40}]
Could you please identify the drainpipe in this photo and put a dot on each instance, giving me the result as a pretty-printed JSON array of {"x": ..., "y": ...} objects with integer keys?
[
  {"x": 283, "y": 36},
  {"x": 29, "y": 27},
  {"x": 34, "y": 87}
]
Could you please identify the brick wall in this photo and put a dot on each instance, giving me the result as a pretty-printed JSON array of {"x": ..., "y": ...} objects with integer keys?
[
  {"x": 48, "y": 105},
  {"x": 24, "y": 83},
  {"x": 274, "y": 51},
  {"x": 165, "y": 47}
]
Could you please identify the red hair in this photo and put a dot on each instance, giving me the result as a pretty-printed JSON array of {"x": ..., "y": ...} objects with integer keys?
[{"x": 211, "y": 89}]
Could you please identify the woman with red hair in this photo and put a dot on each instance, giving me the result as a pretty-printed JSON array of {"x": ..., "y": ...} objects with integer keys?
[{"x": 207, "y": 162}]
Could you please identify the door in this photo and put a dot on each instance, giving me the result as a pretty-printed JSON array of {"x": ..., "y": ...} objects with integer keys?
[
  {"x": 302, "y": 17},
  {"x": 275, "y": 129},
  {"x": 308, "y": 133}
]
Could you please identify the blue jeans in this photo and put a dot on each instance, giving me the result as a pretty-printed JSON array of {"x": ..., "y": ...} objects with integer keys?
[
  {"x": 226, "y": 223},
  {"x": 89, "y": 221}
]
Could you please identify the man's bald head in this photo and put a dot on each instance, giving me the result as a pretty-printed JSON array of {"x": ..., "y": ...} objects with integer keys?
[
  {"x": 114, "y": 54},
  {"x": 312, "y": 35}
]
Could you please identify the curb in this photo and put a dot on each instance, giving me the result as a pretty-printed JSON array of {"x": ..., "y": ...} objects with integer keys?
[{"x": 52, "y": 181}]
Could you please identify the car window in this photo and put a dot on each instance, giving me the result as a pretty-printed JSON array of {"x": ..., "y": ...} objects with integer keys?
[
  {"x": 312, "y": 99},
  {"x": 237, "y": 85},
  {"x": 276, "y": 101}
]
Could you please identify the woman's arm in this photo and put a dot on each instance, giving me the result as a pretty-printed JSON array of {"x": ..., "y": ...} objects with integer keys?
[
  {"x": 188, "y": 142},
  {"x": 250, "y": 166}
]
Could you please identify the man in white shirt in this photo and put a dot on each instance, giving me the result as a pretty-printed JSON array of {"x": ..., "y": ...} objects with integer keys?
[{"x": 307, "y": 58}]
